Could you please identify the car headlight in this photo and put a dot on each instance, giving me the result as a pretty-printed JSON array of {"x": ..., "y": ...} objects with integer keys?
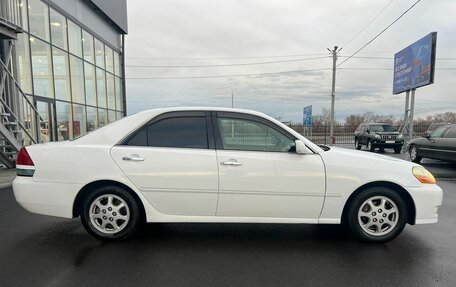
[
  {"x": 377, "y": 136},
  {"x": 423, "y": 175}
]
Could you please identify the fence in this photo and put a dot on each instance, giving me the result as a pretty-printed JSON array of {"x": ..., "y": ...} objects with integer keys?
[{"x": 344, "y": 134}]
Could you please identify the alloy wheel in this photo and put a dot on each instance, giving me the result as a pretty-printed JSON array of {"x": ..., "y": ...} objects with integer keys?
[
  {"x": 109, "y": 214},
  {"x": 413, "y": 153},
  {"x": 378, "y": 215}
]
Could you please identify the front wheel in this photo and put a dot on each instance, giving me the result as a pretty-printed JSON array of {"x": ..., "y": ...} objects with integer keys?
[
  {"x": 414, "y": 154},
  {"x": 110, "y": 213},
  {"x": 377, "y": 214}
]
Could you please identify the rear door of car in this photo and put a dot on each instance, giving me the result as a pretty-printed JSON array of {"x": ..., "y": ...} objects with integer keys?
[
  {"x": 261, "y": 175},
  {"x": 172, "y": 161}
]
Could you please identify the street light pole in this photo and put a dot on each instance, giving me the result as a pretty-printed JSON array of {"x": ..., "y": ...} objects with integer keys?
[{"x": 333, "y": 95}]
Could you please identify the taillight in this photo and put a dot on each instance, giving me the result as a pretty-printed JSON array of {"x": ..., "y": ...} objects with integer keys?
[{"x": 23, "y": 158}]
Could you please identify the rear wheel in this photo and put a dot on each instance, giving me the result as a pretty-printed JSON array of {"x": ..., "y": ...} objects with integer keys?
[
  {"x": 414, "y": 154},
  {"x": 377, "y": 214},
  {"x": 357, "y": 145},
  {"x": 110, "y": 213}
]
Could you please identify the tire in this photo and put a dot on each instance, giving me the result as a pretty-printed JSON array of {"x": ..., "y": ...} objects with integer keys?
[
  {"x": 414, "y": 154},
  {"x": 369, "y": 146},
  {"x": 357, "y": 145},
  {"x": 377, "y": 214},
  {"x": 397, "y": 150},
  {"x": 100, "y": 209}
]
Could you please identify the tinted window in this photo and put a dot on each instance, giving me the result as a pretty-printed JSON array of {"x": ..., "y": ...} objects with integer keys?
[
  {"x": 240, "y": 134},
  {"x": 381, "y": 128},
  {"x": 438, "y": 132},
  {"x": 182, "y": 132},
  {"x": 450, "y": 133},
  {"x": 139, "y": 139}
]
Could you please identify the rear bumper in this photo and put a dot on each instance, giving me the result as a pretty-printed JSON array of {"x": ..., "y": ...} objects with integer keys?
[
  {"x": 428, "y": 199},
  {"x": 48, "y": 198}
]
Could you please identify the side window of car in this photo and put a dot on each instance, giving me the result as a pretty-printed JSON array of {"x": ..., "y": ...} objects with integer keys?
[
  {"x": 249, "y": 135},
  {"x": 177, "y": 132},
  {"x": 450, "y": 133},
  {"x": 438, "y": 133}
]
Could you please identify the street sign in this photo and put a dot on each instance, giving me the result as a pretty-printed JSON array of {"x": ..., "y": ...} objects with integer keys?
[{"x": 307, "y": 116}]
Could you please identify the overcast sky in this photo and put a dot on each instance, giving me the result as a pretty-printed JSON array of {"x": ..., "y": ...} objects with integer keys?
[{"x": 227, "y": 32}]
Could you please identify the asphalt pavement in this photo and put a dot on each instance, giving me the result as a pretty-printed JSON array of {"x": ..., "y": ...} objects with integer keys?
[{"x": 46, "y": 251}]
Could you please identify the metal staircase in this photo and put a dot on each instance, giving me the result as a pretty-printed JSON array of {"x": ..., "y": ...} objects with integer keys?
[{"x": 19, "y": 119}]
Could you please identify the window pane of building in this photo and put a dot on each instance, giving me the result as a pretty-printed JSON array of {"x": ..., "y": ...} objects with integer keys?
[
  {"x": 77, "y": 80},
  {"x": 79, "y": 120},
  {"x": 39, "y": 19},
  {"x": 75, "y": 39},
  {"x": 102, "y": 117},
  {"x": 116, "y": 63},
  {"x": 119, "y": 115},
  {"x": 41, "y": 68},
  {"x": 23, "y": 56},
  {"x": 99, "y": 54},
  {"x": 24, "y": 16},
  {"x": 111, "y": 116},
  {"x": 92, "y": 122},
  {"x": 61, "y": 74},
  {"x": 90, "y": 84},
  {"x": 87, "y": 40},
  {"x": 119, "y": 102},
  {"x": 109, "y": 60},
  {"x": 58, "y": 29},
  {"x": 101, "y": 88},
  {"x": 63, "y": 119},
  {"x": 111, "y": 91}
]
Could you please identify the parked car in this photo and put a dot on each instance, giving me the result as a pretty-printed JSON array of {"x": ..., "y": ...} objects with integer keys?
[
  {"x": 440, "y": 144},
  {"x": 219, "y": 165},
  {"x": 432, "y": 128},
  {"x": 378, "y": 135}
]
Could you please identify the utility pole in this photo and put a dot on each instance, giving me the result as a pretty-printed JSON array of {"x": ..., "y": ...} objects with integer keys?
[{"x": 333, "y": 95}]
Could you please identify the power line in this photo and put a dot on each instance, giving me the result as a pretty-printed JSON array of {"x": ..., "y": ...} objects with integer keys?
[
  {"x": 227, "y": 76},
  {"x": 378, "y": 35},
  {"x": 226, "y": 58},
  {"x": 368, "y": 24},
  {"x": 224, "y": 65}
]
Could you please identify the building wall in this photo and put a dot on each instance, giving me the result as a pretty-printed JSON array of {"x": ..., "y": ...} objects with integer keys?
[{"x": 70, "y": 57}]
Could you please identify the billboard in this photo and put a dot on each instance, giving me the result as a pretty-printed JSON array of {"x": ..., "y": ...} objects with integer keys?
[
  {"x": 414, "y": 65},
  {"x": 307, "y": 116}
]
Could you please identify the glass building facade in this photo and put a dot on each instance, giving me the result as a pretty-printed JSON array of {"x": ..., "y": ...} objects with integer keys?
[{"x": 73, "y": 76}]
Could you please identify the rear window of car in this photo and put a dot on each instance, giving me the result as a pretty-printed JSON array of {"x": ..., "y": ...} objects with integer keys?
[{"x": 176, "y": 132}]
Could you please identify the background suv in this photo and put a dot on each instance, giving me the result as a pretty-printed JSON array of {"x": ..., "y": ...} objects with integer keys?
[{"x": 378, "y": 135}]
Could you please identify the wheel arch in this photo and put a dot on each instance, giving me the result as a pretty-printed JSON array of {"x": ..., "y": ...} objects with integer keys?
[
  {"x": 403, "y": 193},
  {"x": 95, "y": 184}
]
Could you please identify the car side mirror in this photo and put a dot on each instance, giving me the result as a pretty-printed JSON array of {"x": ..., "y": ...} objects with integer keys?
[
  {"x": 427, "y": 135},
  {"x": 301, "y": 147}
]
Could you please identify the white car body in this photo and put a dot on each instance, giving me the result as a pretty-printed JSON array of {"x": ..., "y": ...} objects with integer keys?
[{"x": 189, "y": 185}]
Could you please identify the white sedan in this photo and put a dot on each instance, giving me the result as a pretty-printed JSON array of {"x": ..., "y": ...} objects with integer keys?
[{"x": 219, "y": 165}]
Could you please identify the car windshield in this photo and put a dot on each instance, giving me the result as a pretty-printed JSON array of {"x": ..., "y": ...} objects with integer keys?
[{"x": 381, "y": 128}]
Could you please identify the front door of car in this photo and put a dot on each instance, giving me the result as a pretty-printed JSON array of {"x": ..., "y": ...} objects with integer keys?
[
  {"x": 260, "y": 174},
  {"x": 172, "y": 161},
  {"x": 430, "y": 148}
]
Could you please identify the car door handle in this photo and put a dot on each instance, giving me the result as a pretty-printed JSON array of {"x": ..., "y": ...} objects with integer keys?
[
  {"x": 133, "y": 157},
  {"x": 231, "y": 162}
]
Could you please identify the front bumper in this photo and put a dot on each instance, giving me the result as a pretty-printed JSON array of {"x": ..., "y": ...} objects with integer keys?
[
  {"x": 48, "y": 198},
  {"x": 386, "y": 144},
  {"x": 428, "y": 199}
]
